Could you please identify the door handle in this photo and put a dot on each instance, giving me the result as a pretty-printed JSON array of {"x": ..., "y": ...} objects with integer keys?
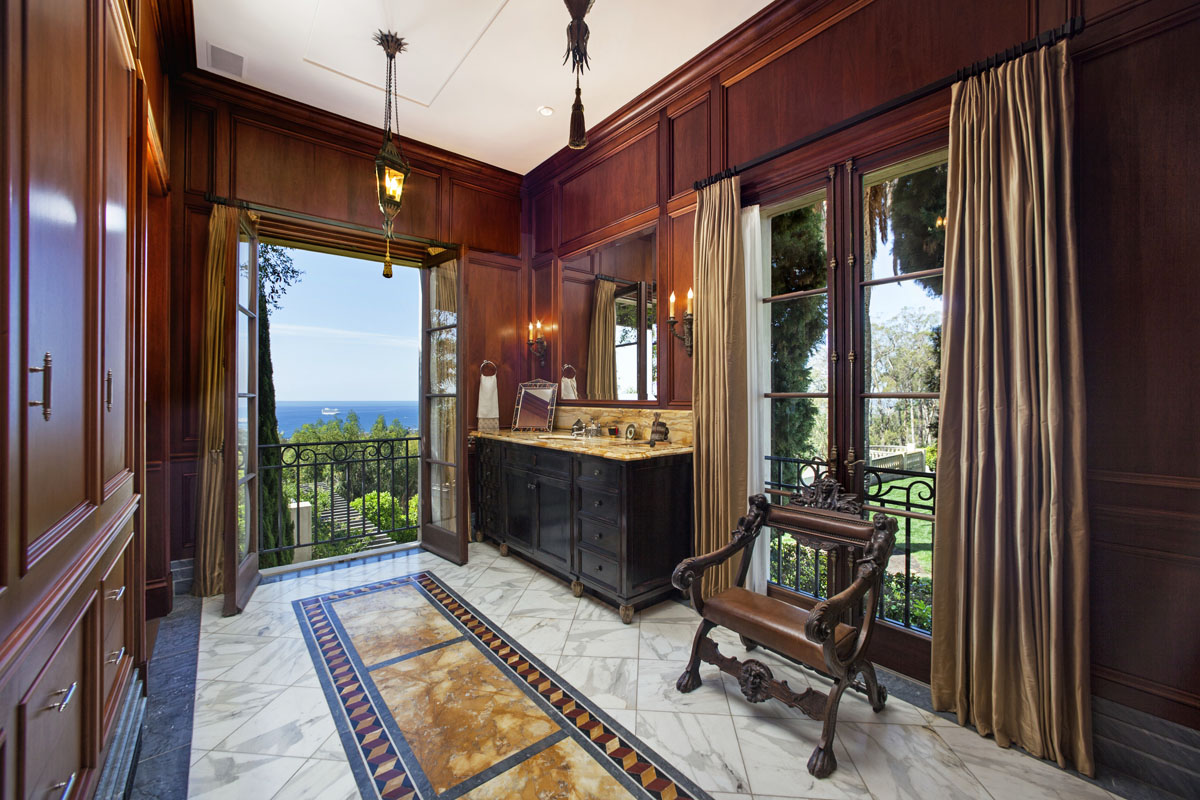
[
  {"x": 47, "y": 382},
  {"x": 108, "y": 383}
]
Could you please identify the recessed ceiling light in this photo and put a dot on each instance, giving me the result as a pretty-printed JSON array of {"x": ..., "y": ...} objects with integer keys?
[{"x": 545, "y": 111}]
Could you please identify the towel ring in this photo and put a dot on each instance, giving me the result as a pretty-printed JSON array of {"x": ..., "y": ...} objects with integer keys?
[
  {"x": 568, "y": 367},
  {"x": 487, "y": 363}
]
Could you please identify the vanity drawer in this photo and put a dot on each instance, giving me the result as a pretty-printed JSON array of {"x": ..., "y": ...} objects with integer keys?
[
  {"x": 52, "y": 720},
  {"x": 538, "y": 459},
  {"x": 600, "y": 504},
  {"x": 599, "y": 569},
  {"x": 600, "y": 536},
  {"x": 600, "y": 472}
]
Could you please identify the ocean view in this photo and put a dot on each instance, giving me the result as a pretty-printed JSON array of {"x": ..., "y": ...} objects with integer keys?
[{"x": 293, "y": 414}]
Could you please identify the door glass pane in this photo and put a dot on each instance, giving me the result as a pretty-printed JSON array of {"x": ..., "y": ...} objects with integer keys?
[
  {"x": 798, "y": 260},
  {"x": 800, "y": 428},
  {"x": 442, "y": 429},
  {"x": 902, "y": 340},
  {"x": 243, "y": 256},
  {"x": 243, "y": 353},
  {"x": 443, "y": 294},
  {"x": 243, "y": 518},
  {"x": 800, "y": 344},
  {"x": 443, "y": 361},
  {"x": 243, "y": 436},
  {"x": 652, "y": 349},
  {"x": 904, "y": 217},
  {"x": 442, "y": 493},
  {"x": 901, "y": 440}
]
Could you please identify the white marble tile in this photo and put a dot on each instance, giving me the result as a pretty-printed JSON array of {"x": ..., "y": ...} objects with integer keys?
[
  {"x": 611, "y": 683},
  {"x": 776, "y": 753},
  {"x": 491, "y": 601},
  {"x": 626, "y": 719},
  {"x": 282, "y": 662},
  {"x": 263, "y": 619},
  {"x": 558, "y": 603},
  {"x": 331, "y": 749},
  {"x": 548, "y": 583},
  {"x": 907, "y": 761},
  {"x": 730, "y": 796},
  {"x": 221, "y": 776},
  {"x": 550, "y": 661},
  {"x": 703, "y": 746},
  {"x": 538, "y": 634},
  {"x": 515, "y": 579},
  {"x": 669, "y": 641},
  {"x": 224, "y": 706},
  {"x": 196, "y": 756},
  {"x": 321, "y": 780},
  {"x": 595, "y": 610},
  {"x": 608, "y": 639},
  {"x": 455, "y": 576},
  {"x": 656, "y": 689},
  {"x": 856, "y": 708},
  {"x": 218, "y": 652},
  {"x": 1010, "y": 774},
  {"x": 293, "y": 724},
  {"x": 671, "y": 611}
]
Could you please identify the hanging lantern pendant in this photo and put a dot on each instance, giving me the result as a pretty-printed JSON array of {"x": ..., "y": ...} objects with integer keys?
[{"x": 391, "y": 168}]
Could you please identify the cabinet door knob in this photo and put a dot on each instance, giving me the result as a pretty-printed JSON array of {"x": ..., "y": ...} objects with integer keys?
[
  {"x": 596, "y": 503},
  {"x": 596, "y": 472},
  {"x": 47, "y": 381}
]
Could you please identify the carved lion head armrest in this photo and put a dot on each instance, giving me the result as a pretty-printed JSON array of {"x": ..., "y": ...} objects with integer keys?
[{"x": 686, "y": 577}]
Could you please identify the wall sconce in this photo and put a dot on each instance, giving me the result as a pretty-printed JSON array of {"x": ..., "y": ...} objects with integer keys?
[
  {"x": 686, "y": 336},
  {"x": 537, "y": 345}
]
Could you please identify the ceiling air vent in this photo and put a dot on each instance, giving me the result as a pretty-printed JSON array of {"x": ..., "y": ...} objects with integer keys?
[{"x": 224, "y": 61}]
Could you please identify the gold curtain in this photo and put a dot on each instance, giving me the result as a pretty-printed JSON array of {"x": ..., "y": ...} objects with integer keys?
[
  {"x": 1010, "y": 559},
  {"x": 210, "y": 495},
  {"x": 719, "y": 375},
  {"x": 602, "y": 342}
]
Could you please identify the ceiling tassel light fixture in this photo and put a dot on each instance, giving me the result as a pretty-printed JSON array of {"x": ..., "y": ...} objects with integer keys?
[
  {"x": 577, "y": 54},
  {"x": 391, "y": 170}
]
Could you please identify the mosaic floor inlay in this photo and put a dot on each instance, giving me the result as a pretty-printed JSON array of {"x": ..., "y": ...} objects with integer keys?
[{"x": 432, "y": 700}]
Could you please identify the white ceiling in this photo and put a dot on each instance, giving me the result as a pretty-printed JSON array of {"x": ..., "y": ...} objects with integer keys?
[{"x": 475, "y": 72}]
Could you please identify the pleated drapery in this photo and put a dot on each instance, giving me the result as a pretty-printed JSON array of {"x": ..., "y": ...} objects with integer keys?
[
  {"x": 719, "y": 375},
  {"x": 602, "y": 340},
  {"x": 1010, "y": 559},
  {"x": 210, "y": 493}
]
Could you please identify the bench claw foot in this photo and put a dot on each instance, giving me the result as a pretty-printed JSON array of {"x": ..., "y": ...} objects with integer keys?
[
  {"x": 688, "y": 681},
  {"x": 822, "y": 762}
]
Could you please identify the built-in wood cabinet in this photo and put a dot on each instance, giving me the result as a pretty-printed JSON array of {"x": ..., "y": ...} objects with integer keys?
[
  {"x": 71, "y": 547},
  {"x": 612, "y": 527}
]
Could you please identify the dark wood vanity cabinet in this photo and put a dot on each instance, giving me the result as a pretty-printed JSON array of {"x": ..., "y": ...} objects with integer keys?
[{"x": 613, "y": 527}]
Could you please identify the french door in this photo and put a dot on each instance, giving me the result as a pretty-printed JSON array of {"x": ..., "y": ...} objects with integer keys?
[
  {"x": 854, "y": 313},
  {"x": 444, "y": 523},
  {"x": 241, "y": 422}
]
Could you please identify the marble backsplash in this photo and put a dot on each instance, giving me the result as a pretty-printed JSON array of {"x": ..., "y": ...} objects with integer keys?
[{"x": 679, "y": 421}]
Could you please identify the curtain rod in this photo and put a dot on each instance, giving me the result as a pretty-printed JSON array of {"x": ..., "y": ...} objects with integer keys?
[
  {"x": 352, "y": 226},
  {"x": 600, "y": 277},
  {"x": 1065, "y": 31}
]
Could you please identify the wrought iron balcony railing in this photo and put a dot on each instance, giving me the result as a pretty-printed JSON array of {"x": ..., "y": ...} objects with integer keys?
[{"x": 322, "y": 499}]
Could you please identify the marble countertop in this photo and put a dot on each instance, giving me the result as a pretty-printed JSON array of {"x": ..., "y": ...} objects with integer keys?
[{"x": 599, "y": 446}]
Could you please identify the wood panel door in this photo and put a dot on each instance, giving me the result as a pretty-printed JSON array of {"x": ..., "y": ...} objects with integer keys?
[
  {"x": 444, "y": 523},
  {"x": 51, "y": 278},
  {"x": 241, "y": 424}
]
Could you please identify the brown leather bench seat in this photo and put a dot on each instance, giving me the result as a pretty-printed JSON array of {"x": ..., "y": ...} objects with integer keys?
[{"x": 773, "y": 624}]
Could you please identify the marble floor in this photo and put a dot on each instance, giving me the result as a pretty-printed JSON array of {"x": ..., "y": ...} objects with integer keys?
[{"x": 262, "y": 728}]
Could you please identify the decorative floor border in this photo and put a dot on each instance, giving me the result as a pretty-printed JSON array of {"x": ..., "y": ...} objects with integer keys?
[{"x": 386, "y": 764}]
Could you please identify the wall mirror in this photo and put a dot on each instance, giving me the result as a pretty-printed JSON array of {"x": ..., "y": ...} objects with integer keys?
[
  {"x": 610, "y": 320},
  {"x": 535, "y": 406}
]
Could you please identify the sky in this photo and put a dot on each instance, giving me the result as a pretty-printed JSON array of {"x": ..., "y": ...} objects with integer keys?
[{"x": 344, "y": 332}]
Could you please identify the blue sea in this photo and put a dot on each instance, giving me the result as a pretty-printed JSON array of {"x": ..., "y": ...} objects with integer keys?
[{"x": 292, "y": 414}]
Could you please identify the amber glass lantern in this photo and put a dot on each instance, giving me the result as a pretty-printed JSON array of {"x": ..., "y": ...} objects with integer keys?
[{"x": 391, "y": 170}]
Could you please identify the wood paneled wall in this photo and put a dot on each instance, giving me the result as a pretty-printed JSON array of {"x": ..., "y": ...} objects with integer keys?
[
  {"x": 232, "y": 141},
  {"x": 798, "y": 67}
]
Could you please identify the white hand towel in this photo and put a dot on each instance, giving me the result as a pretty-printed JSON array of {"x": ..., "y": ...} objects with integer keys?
[
  {"x": 489, "y": 397},
  {"x": 569, "y": 391}
]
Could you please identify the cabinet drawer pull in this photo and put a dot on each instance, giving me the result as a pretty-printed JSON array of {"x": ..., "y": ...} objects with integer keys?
[
  {"x": 531, "y": 486},
  {"x": 47, "y": 382},
  {"x": 599, "y": 568},
  {"x": 596, "y": 536},
  {"x": 115, "y": 656},
  {"x": 596, "y": 503},
  {"x": 115, "y": 594},
  {"x": 66, "y": 787},
  {"x": 68, "y": 694},
  {"x": 108, "y": 391},
  {"x": 596, "y": 472}
]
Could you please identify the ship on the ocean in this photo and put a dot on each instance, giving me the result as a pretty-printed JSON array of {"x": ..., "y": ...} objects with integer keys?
[{"x": 329, "y": 412}]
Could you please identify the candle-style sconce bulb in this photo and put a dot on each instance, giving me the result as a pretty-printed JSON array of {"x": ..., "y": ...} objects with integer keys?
[
  {"x": 687, "y": 334},
  {"x": 537, "y": 346}
]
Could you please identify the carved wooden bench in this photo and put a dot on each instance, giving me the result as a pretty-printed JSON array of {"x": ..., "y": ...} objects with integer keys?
[{"x": 833, "y": 637}]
